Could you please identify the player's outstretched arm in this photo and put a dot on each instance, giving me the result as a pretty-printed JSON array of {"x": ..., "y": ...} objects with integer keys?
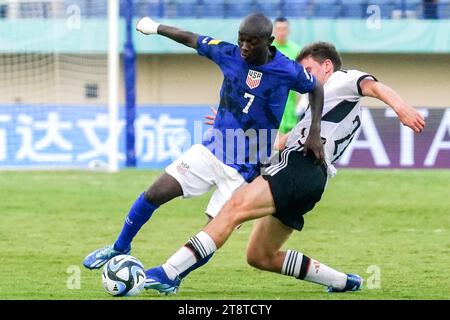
[
  {"x": 148, "y": 26},
  {"x": 313, "y": 142},
  {"x": 407, "y": 115}
]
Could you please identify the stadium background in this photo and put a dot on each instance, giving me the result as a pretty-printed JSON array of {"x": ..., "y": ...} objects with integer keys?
[
  {"x": 53, "y": 56},
  {"x": 53, "y": 96}
]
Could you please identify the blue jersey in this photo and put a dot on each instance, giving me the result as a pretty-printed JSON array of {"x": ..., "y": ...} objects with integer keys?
[{"x": 252, "y": 101}]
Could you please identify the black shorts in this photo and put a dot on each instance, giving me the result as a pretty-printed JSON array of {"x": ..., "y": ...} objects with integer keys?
[{"x": 297, "y": 184}]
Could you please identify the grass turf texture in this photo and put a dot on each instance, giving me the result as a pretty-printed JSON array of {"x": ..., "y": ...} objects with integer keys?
[{"x": 395, "y": 220}]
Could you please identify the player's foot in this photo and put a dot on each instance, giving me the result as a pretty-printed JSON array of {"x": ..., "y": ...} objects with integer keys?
[
  {"x": 97, "y": 258},
  {"x": 157, "y": 279},
  {"x": 354, "y": 283}
]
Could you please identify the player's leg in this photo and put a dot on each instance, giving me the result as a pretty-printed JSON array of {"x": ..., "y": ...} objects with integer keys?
[
  {"x": 227, "y": 182},
  {"x": 185, "y": 176},
  {"x": 200, "y": 262},
  {"x": 230, "y": 180},
  {"x": 263, "y": 249},
  {"x": 164, "y": 189},
  {"x": 263, "y": 252},
  {"x": 156, "y": 278},
  {"x": 296, "y": 184},
  {"x": 251, "y": 201},
  {"x": 248, "y": 202}
]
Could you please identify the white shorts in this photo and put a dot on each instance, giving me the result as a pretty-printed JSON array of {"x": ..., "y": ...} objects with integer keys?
[{"x": 198, "y": 170}]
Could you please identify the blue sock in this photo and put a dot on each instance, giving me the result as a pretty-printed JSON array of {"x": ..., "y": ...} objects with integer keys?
[
  {"x": 196, "y": 266},
  {"x": 139, "y": 214}
]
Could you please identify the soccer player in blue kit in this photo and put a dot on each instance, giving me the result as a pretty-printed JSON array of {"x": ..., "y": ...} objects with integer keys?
[{"x": 257, "y": 80}]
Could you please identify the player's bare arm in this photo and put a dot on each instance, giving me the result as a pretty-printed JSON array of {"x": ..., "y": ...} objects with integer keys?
[
  {"x": 407, "y": 115},
  {"x": 148, "y": 26},
  {"x": 313, "y": 142}
]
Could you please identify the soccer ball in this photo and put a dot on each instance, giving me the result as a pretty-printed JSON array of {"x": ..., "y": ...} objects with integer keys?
[{"x": 123, "y": 275}]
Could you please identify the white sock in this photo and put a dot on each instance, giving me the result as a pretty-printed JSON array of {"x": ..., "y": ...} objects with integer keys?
[
  {"x": 292, "y": 263},
  {"x": 180, "y": 261},
  {"x": 197, "y": 248},
  {"x": 322, "y": 274},
  {"x": 302, "y": 267}
]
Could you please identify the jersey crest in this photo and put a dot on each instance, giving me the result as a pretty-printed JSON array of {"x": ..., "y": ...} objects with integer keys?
[{"x": 253, "y": 79}]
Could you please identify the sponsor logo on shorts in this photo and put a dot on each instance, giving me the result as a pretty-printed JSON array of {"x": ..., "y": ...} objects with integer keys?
[{"x": 183, "y": 167}]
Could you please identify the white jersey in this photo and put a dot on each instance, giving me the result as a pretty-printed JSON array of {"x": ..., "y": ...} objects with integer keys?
[{"x": 341, "y": 117}]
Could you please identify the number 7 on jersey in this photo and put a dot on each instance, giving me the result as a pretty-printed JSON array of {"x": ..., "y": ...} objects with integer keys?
[{"x": 252, "y": 98}]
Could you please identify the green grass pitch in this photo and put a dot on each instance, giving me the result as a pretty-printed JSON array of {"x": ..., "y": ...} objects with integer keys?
[{"x": 396, "y": 222}]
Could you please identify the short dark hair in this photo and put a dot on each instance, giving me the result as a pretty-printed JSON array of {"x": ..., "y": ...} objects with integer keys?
[
  {"x": 320, "y": 51},
  {"x": 257, "y": 24},
  {"x": 281, "y": 19}
]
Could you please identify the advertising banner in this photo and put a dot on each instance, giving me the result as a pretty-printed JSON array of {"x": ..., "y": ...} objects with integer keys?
[{"x": 77, "y": 136}]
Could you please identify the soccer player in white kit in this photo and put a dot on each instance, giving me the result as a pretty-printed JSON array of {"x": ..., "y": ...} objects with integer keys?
[{"x": 291, "y": 187}]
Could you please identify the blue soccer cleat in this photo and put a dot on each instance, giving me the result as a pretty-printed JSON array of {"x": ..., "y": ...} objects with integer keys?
[
  {"x": 354, "y": 283},
  {"x": 97, "y": 258},
  {"x": 157, "y": 279}
]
